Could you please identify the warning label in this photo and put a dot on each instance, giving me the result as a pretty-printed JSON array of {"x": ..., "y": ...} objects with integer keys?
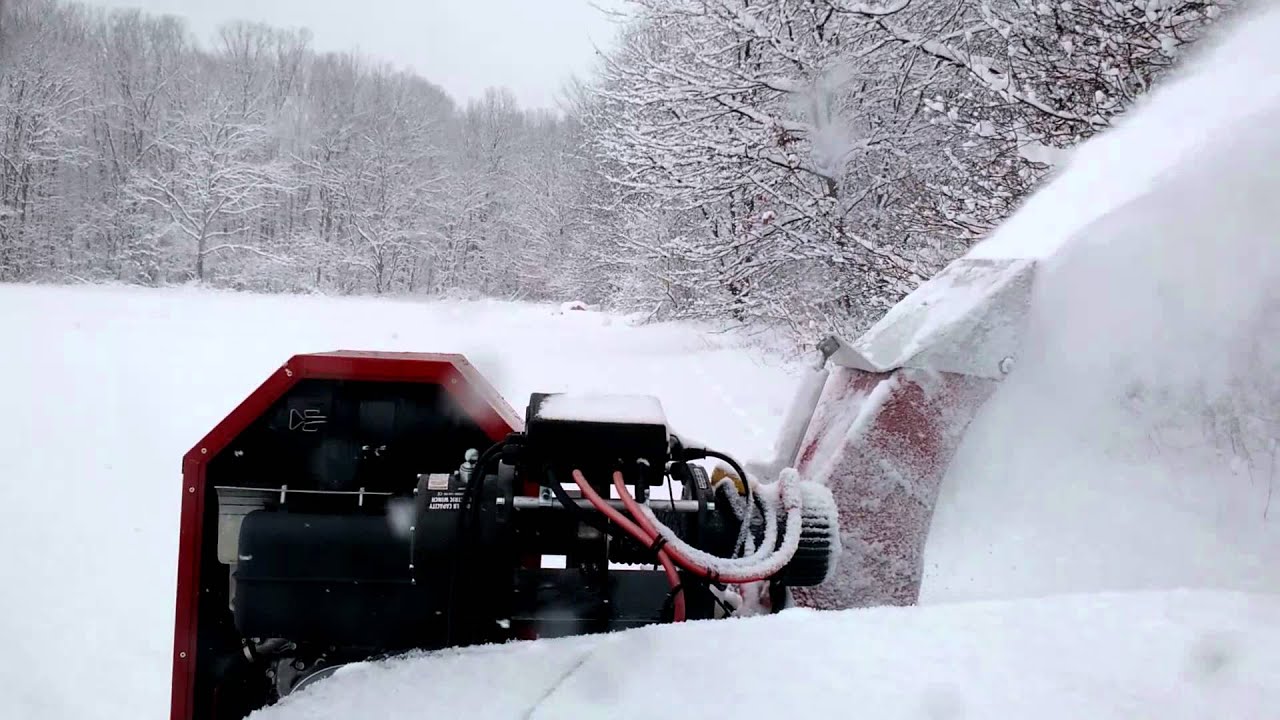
[{"x": 445, "y": 500}]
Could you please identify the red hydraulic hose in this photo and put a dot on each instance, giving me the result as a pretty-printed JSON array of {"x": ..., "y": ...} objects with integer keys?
[
  {"x": 634, "y": 508},
  {"x": 678, "y": 610}
]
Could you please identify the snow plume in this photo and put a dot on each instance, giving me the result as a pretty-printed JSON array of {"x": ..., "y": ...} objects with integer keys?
[
  {"x": 832, "y": 141},
  {"x": 1233, "y": 78},
  {"x": 1135, "y": 444}
]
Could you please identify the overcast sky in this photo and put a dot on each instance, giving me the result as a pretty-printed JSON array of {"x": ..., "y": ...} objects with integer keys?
[{"x": 530, "y": 46}]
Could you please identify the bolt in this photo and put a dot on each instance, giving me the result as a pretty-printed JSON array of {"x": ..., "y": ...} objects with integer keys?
[
  {"x": 191, "y": 489},
  {"x": 182, "y": 655},
  {"x": 288, "y": 372},
  {"x": 204, "y": 451}
]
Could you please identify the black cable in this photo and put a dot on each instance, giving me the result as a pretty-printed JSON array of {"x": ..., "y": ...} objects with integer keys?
[
  {"x": 728, "y": 610},
  {"x": 746, "y": 484},
  {"x": 668, "y": 604},
  {"x": 740, "y": 547},
  {"x": 472, "y": 493},
  {"x": 595, "y": 520},
  {"x": 468, "y": 516},
  {"x": 668, "y": 611}
]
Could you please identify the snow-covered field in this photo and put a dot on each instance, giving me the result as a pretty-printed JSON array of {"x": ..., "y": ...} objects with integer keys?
[
  {"x": 108, "y": 388},
  {"x": 1132, "y": 448}
]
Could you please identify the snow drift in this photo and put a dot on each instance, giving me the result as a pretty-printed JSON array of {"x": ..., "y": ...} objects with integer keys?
[
  {"x": 1134, "y": 445},
  {"x": 1172, "y": 656}
]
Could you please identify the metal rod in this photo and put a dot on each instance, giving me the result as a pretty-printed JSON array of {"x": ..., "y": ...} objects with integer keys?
[
  {"x": 285, "y": 489},
  {"x": 531, "y": 503}
]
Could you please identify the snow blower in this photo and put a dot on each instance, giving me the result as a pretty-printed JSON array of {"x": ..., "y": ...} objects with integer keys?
[{"x": 361, "y": 505}]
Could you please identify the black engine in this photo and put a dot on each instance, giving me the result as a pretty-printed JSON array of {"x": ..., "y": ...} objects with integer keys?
[{"x": 346, "y": 540}]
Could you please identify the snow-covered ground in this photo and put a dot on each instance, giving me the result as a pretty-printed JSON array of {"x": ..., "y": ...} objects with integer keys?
[
  {"x": 1179, "y": 656},
  {"x": 107, "y": 388}
]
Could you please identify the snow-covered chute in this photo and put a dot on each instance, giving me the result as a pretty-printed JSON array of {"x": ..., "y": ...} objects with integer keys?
[{"x": 877, "y": 420}]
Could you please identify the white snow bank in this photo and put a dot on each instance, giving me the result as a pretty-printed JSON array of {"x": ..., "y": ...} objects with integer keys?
[
  {"x": 1135, "y": 444},
  {"x": 107, "y": 388},
  {"x": 1231, "y": 75},
  {"x": 1169, "y": 656}
]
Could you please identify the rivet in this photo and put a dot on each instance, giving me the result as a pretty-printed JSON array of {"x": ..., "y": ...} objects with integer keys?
[
  {"x": 204, "y": 451},
  {"x": 288, "y": 372},
  {"x": 191, "y": 489},
  {"x": 182, "y": 655}
]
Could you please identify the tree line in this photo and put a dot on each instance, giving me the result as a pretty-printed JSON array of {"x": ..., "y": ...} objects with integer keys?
[{"x": 797, "y": 162}]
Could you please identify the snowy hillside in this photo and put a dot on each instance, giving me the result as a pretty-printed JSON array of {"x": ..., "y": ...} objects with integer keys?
[{"x": 107, "y": 388}]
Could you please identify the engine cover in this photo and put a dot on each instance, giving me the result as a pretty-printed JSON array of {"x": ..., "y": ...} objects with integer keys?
[{"x": 337, "y": 579}]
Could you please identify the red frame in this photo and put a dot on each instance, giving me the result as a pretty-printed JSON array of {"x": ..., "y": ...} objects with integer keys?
[{"x": 460, "y": 378}]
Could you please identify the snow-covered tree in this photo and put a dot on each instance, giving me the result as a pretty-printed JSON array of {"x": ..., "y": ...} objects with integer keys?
[
  {"x": 387, "y": 190},
  {"x": 211, "y": 183},
  {"x": 810, "y": 161},
  {"x": 801, "y": 162},
  {"x": 1024, "y": 80},
  {"x": 41, "y": 118}
]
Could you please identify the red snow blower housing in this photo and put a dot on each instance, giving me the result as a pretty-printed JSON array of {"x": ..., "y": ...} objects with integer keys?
[{"x": 358, "y": 505}]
